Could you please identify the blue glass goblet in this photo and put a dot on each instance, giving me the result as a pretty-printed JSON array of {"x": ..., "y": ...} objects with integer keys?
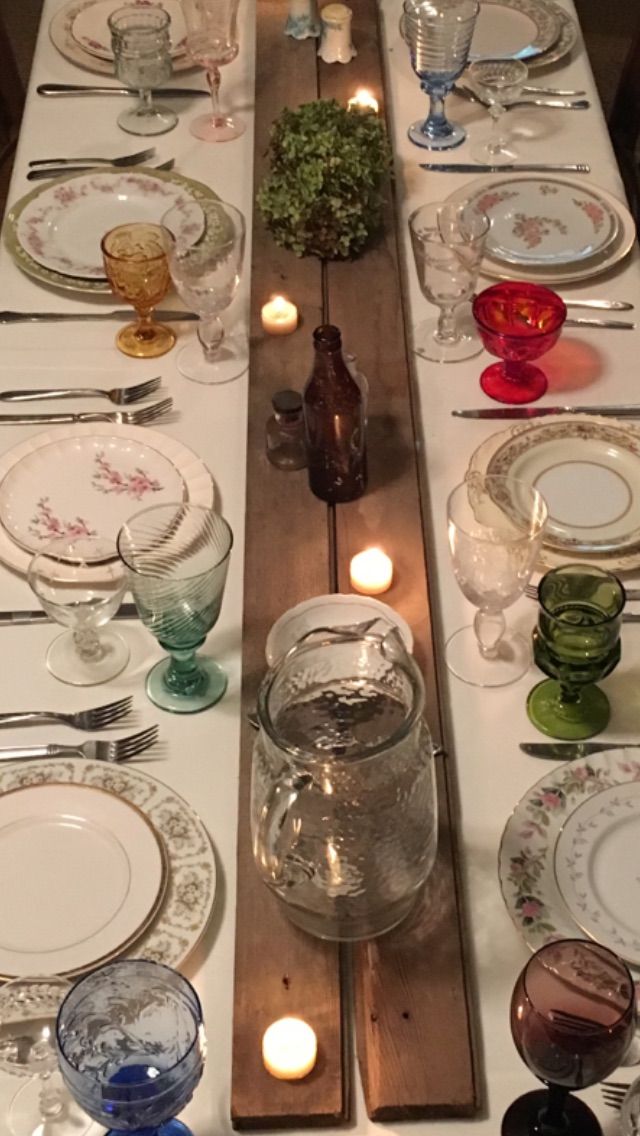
[
  {"x": 131, "y": 1046},
  {"x": 439, "y": 34},
  {"x": 177, "y": 556}
]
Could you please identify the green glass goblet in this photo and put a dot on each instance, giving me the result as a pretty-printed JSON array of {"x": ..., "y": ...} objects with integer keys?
[
  {"x": 177, "y": 556},
  {"x": 576, "y": 642}
]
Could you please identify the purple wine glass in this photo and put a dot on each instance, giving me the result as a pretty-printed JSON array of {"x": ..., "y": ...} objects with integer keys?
[{"x": 572, "y": 1019}]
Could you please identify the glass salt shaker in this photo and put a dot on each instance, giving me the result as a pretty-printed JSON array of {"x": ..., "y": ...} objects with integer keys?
[{"x": 285, "y": 431}]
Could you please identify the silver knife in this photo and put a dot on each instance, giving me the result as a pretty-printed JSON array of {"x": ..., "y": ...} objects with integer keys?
[
  {"x": 620, "y": 325},
  {"x": 623, "y": 411},
  {"x": 55, "y": 90},
  {"x": 17, "y": 618},
  {"x": 57, "y": 317},
  {"x": 513, "y": 167},
  {"x": 566, "y": 751},
  {"x": 602, "y": 305}
]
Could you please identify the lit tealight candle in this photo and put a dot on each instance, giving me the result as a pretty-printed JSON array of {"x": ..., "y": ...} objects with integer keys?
[
  {"x": 279, "y": 316},
  {"x": 371, "y": 572},
  {"x": 363, "y": 100},
  {"x": 289, "y": 1049}
]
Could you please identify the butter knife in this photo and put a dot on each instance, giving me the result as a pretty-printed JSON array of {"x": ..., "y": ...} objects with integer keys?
[
  {"x": 513, "y": 167},
  {"x": 566, "y": 751},
  {"x": 601, "y": 305},
  {"x": 616, "y": 325},
  {"x": 18, "y": 618},
  {"x": 55, "y": 90},
  {"x": 58, "y": 317},
  {"x": 625, "y": 411}
]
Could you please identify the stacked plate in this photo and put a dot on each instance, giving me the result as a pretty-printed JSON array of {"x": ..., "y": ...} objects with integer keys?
[
  {"x": 568, "y": 855},
  {"x": 112, "y": 863},
  {"x": 80, "y": 32},
  {"x": 549, "y": 230},
  {"x": 54, "y": 232}
]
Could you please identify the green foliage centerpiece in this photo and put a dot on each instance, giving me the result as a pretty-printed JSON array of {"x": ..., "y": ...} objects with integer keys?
[{"x": 325, "y": 190}]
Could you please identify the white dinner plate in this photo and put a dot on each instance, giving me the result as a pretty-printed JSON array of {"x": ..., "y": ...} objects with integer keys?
[
  {"x": 514, "y": 29},
  {"x": 566, "y": 41},
  {"x": 82, "y": 873},
  {"x": 596, "y": 866},
  {"x": 182, "y": 185},
  {"x": 90, "y": 28},
  {"x": 588, "y": 470},
  {"x": 62, "y": 227},
  {"x": 187, "y": 904},
  {"x": 82, "y": 443},
  {"x": 526, "y": 856},
  {"x": 330, "y": 611},
  {"x": 61, "y": 32}
]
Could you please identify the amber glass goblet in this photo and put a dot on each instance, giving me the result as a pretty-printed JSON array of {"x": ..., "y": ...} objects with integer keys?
[
  {"x": 517, "y": 322},
  {"x": 136, "y": 265}
]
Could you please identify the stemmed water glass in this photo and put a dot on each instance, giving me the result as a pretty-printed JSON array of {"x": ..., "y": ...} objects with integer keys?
[
  {"x": 135, "y": 263},
  {"x": 439, "y": 34},
  {"x": 28, "y": 1010},
  {"x": 80, "y": 583},
  {"x": 206, "y": 275},
  {"x": 495, "y": 527},
  {"x": 212, "y": 40},
  {"x": 131, "y": 1046},
  {"x": 576, "y": 642},
  {"x": 141, "y": 52},
  {"x": 572, "y": 1019},
  {"x": 498, "y": 82},
  {"x": 177, "y": 556},
  {"x": 448, "y": 243}
]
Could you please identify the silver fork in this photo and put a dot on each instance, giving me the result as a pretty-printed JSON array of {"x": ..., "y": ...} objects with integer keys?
[
  {"x": 123, "y": 160},
  {"x": 140, "y": 417},
  {"x": 120, "y": 395},
  {"x": 613, "y": 1093},
  {"x": 531, "y": 592},
  {"x": 116, "y": 751},
  {"x": 94, "y": 719}
]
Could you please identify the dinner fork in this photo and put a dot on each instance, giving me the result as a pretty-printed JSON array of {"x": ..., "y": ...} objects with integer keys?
[
  {"x": 120, "y": 395},
  {"x": 531, "y": 591},
  {"x": 613, "y": 1093},
  {"x": 140, "y": 417},
  {"x": 116, "y": 750},
  {"x": 97, "y": 718}
]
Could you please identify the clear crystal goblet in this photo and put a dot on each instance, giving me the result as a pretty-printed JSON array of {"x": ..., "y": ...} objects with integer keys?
[
  {"x": 439, "y": 34},
  {"x": 498, "y": 82},
  {"x": 142, "y": 55},
  {"x": 212, "y": 41}
]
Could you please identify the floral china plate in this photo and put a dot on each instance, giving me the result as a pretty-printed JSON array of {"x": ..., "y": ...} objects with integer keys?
[
  {"x": 186, "y": 906},
  {"x": 63, "y": 30},
  {"x": 91, "y": 32},
  {"x": 514, "y": 29},
  {"x": 62, "y": 226},
  {"x": 527, "y": 860}
]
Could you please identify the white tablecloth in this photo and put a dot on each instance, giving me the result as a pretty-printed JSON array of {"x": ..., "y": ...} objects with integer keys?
[{"x": 201, "y": 759}]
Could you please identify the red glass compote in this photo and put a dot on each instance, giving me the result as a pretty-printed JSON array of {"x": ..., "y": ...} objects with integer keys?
[
  {"x": 572, "y": 1020},
  {"x": 517, "y": 322}
]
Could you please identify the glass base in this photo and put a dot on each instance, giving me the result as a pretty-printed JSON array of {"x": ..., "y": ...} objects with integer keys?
[
  {"x": 64, "y": 662},
  {"x": 157, "y": 121},
  {"x": 427, "y": 346},
  {"x": 464, "y": 660},
  {"x": 223, "y": 129},
  {"x": 571, "y": 721},
  {"x": 232, "y": 361},
  {"x": 453, "y": 137},
  {"x": 169, "y": 1128},
  {"x": 213, "y": 687},
  {"x": 528, "y": 387},
  {"x": 485, "y": 154},
  {"x": 156, "y": 340},
  {"x": 24, "y": 1117},
  {"x": 521, "y": 1116}
]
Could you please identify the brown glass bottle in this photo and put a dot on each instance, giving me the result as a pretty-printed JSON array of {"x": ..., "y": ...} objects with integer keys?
[{"x": 334, "y": 420}]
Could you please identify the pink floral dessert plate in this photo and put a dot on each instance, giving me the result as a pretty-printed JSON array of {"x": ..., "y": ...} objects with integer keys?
[
  {"x": 533, "y": 846},
  {"x": 90, "y": 29},
  {"x": 89, "y": 480},
  {"x": 79, "y": 36}
]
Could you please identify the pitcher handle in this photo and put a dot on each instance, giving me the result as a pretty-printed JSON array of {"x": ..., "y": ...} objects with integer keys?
[{"x": 273, "y": 854}]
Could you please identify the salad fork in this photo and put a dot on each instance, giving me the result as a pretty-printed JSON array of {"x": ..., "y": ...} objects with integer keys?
[
  {"x": 140, "y": 417},
  {"x": 94, "y": 719},
  {"x": 115, "y": 750},
  {"x": 120, "y": 395},
  {"x": 124, "y": 160}
]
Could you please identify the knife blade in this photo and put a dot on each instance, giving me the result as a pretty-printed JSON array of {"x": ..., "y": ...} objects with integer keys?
[
  {"x": 619, "y": 325},
  {"x": 56, "y": 90},
  {"x": 626, "y": 411},
  {"x": 512, "y": 167},
  {"x": 58, "y": 317},
  {"x": 602, "y": 305},
  {"x": 17, "y": 618},
  {"x": 567, "y": 751}
]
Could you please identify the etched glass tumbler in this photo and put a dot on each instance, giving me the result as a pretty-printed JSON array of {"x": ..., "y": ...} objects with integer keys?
[
  {"x": 439, "y": 34},
  {"x": 212, "y": 40},
  {"x": 177, "y": 556},
  {"x": 131, "y": 1046},
  {"x": 141, "y": 51},
  {"x": 135, "y": 261},
  {"x": 495, "y": 527}
]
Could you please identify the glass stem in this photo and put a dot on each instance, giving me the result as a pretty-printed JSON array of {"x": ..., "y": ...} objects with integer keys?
[
  {"x": 213, "y": 79},
  {"x": 446, "y": 331},
  {"x": 184, "y": 675},
  {"x": 568, "y": 695},
  {"x": 552, "y": 1120},
  {"x": 51, "y": 1099},
  {"x": 146, "y": 103},
  {"x": 87, "y": 644},
  {"x": 497, "y": 140},
  {"x": 489, "y": 627},
  {"x": 210, "y": 333}
]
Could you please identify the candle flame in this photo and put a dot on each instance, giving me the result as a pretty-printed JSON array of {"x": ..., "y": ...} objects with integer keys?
[{"x": 363, "y": 100}]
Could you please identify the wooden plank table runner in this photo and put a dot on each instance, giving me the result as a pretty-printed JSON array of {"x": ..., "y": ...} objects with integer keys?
[{"x": 411, "y": 996}]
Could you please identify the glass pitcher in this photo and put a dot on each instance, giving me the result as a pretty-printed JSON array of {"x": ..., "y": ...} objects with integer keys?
[{"x": 343, "y": 802}]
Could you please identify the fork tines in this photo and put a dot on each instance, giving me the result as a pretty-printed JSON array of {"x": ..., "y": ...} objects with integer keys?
[
  {"x": 139, "y": 391},
  {"x": 136, "y": 743},
  {"x": 111, "y": 712},
  {"x": 148, "y": 413},
  {"x": 613, "y": 1093}
]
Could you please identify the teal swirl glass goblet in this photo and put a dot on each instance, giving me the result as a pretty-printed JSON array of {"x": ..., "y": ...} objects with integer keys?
[
  {"x": 177, "y": 556},
  {"x": 576, "y": 642}
]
